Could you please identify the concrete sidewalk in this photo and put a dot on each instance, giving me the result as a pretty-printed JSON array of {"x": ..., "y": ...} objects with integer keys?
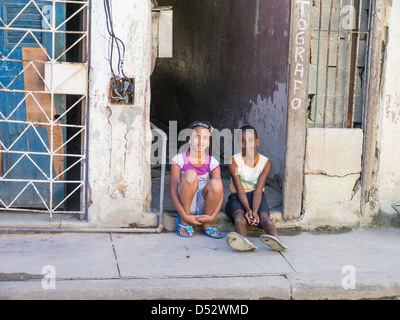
[{"x": 361, "y": 264}]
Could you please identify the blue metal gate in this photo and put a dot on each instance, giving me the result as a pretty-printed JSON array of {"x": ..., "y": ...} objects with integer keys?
[{"x": 33, "y": 122}]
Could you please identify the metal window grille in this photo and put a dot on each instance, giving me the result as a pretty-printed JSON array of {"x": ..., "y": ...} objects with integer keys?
[
  {"x": 338, "y": 63},
  {"x": 43, "y": 103}
]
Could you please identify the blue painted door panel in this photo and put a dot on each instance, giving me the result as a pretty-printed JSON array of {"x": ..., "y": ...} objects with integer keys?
[{"x": 24, "y": 136}]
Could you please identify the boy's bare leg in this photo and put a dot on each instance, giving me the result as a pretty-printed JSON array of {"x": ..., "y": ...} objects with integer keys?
[
  {"x": 240, "y": 223},
  {"x": 270, "y": 230},
  {"x": 267, "y": 224},
  {"x": 187, "y": 190},
  {"x": 212, "y": 194}
]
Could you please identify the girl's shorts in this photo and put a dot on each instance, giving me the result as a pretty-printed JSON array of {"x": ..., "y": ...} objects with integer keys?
[
  {"x": 197, "y": 206},
  {"x": 233, "y": 204}
]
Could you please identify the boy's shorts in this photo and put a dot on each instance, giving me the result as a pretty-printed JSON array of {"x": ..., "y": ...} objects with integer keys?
[{"x": 234, "y": 204}]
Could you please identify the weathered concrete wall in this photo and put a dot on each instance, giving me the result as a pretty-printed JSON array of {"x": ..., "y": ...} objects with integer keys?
[
  {"x": 229, "y": 66},
  {"x": 332, "y": 174},
  {"x": 388, "y": 148},
  {"x": 119, "y": 136},
  {"x": 333, "y": 166}
]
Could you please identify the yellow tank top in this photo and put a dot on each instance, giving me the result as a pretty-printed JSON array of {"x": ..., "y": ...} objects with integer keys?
[{"x": 248, "y": 175}]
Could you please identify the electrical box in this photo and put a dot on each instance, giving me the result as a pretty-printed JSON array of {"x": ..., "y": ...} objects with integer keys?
[
  {"x": 122, "y": 91},
  {"x": 162, "y": 20}
]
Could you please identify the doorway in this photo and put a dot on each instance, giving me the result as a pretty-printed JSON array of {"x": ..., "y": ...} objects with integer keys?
[{"x": 229, "y": 67}]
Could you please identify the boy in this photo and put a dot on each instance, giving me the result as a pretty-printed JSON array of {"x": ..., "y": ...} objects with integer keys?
[{"x": 246, "y": 203}]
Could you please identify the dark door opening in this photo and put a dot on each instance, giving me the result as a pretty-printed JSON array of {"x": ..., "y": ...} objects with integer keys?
[{"x": 229, "y": 67}]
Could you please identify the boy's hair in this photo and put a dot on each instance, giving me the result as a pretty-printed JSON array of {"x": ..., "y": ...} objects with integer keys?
[{"x": 248, "y": 127}]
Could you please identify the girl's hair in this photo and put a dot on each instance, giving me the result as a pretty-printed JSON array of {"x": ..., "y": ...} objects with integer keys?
[{"x": 204, "y": 124}]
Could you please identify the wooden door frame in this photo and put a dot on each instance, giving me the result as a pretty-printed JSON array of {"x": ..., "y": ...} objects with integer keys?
[
  {"x": 299, "y": 57},
  {"x": 372, "y": 99}
]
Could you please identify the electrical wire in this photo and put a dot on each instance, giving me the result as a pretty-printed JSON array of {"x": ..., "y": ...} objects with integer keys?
[{"x": 114, "y": 39}]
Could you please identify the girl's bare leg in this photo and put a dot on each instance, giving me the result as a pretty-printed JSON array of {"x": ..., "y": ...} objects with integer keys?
[
  {"x": 212, "y": 194},
  {"x": 187, "y": 190}
]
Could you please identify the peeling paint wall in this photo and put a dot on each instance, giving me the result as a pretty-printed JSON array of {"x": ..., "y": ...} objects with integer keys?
[
  {"x": 120, "y": 136},
  {"x": 388, "y": 148},
  {"x": 268, "y": 116},
  {"x": 229, "y": 66}
]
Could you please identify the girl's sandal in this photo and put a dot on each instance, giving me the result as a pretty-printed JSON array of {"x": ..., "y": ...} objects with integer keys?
[
  {"x": 189, "y": 229},
  {"x": 213, "y": 233}
]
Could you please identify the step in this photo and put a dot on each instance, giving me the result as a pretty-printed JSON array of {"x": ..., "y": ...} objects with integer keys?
[{"x": 222, "y": 222}]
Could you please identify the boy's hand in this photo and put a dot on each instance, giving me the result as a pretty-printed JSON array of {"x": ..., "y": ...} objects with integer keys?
[
  {"x": 256, "y": 219},
  {"x": 249, "y": 216}
]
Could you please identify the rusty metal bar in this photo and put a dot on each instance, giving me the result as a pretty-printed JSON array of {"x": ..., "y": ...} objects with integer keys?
[
  {"x": 40, "y": 153},
  {"x": 43, "y": 181},
  {"x": 45, "y": 124},
  {"x": 72, "y": 15},
  {"x": 353, "y": 67},
  {"x": 71, "y": 46},
  {"x": 327, "y": 62},
  {"x": 347, "y": 66},
  {"x": 356, "y": 65},
  {"x": 7, "y": 28},
  {"x": 337, "y": 70},
  {"x": 318, "y": 60},
  {"x": 345, "y": 95},
  {"x": 366, "y": 69},
  {"x": 353, "y": 31}
]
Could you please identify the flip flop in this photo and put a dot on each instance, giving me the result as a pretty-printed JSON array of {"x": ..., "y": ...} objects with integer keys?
[
  {"x": 273, "y": 242},
  {"x": 189, "y": 229},
  {"x": 211, "y": 231},
  {"x": 238, "y": 242}
]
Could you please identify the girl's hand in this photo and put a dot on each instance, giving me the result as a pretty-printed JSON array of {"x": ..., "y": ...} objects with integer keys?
[
  {"x": 204, "y": 218},
  {"x": 192, "y": 220}
]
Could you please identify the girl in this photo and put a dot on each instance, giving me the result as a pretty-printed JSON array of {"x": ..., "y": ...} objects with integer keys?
[{"x": 196, "y": 197}]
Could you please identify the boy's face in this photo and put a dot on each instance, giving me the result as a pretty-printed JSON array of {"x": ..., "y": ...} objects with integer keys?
[
  {"x": 200, "y": 139},
  {"x": 249, "y": 142}
]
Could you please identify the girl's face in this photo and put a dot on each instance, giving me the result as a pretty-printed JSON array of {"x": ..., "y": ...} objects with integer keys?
[{"x": 200, "y": 139}]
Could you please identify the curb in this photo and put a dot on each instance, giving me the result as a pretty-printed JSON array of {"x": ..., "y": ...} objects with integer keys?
[{"x": 292, "y": 286}]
